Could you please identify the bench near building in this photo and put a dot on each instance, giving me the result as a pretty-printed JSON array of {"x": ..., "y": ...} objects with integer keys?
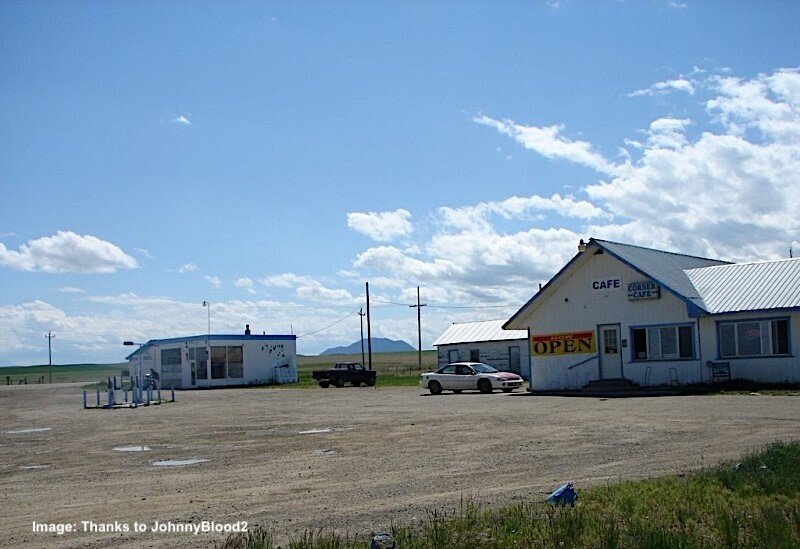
[
  {"x": 488, "y": 342},
  {"x": 649, "y": 317},
  {"x": 182, "y": 363}
]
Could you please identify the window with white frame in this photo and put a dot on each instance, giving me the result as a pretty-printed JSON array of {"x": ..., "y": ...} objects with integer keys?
[
  {"x": 674, "y": 342},
  {"x": 745, "y": 338}
]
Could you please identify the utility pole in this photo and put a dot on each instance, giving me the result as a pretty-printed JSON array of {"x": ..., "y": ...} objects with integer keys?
[
  {"x": 419, "y": 307},
  {"x": 50, "y": 335},
  {"x": 369, "y": 331},
  {"x": 361, "y": 314}
]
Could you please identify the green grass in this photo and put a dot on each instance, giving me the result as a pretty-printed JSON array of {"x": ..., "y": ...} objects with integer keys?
[
  {"x": 751, "y": 504},
  {"x": 61, "y": 373}
]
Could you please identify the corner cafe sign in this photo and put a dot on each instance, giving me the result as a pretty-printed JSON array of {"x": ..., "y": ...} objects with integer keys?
[{"x": 563, "y": 344}]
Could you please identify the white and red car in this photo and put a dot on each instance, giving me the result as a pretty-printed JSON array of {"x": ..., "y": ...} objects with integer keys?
[{"x": 465, "y": 376}]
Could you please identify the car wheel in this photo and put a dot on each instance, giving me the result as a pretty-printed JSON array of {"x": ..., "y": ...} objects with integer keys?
[
  {"x": 507, "y": 390},
  {"x": 324, "y": 383},
  {"x": 457, "y": 390},
  {"x": 485, "y": 386},
  {"x": 435, "y": 388},
  {"x": 356, "y": 384},
  {"x": 339, "y": 383}
]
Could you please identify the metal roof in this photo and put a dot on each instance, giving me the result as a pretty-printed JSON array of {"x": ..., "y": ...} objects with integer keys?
[
  {"x": 666, "y": 268},
  {"x": 749, "y": 286},
  {"x": 212, "y": 337},
  {"x": 474, "y": 332}
]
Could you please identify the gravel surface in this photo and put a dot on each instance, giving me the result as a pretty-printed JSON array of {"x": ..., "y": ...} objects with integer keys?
[{"x": 351, "y": 460}]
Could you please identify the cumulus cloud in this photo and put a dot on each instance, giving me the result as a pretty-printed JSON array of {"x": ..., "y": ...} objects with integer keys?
[
  {"x": 213, "y": 280},
  {"x": 182, "y": 119},
  {"x": 72, "y": 290},
  {"x": 381, "y": 226},
  {"x": 67, "y": 252},
  {"x": 548, "y": 141},
  {"x": 187, "y": 268},
  {"x": 311, "y": 289},
  {"x": 246, "y": 284}
]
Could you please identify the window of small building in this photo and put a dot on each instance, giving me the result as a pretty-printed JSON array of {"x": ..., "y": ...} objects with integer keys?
[
  {"x": 170, "y": 361},
  {"x": 753, "y": 338},
  {"x": 663, "y": 343},
  {"x": 235, "y": 362},
  {"x": 474, "y": 355},
  {"x": 218, "y": 362}
]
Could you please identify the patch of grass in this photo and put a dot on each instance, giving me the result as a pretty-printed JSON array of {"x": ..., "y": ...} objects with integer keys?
[
  {"x": 66, "y": 373},
  {"x": 751, "y": 504}
]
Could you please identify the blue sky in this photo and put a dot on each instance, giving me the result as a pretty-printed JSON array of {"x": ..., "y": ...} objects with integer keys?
[{"x": 271, "y": 157}]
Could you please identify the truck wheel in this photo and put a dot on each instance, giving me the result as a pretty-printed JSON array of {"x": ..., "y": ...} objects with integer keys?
[
  {"x": 435, "y": 388},
  {"x": 485, "y": 386},
  {"x": 371, "y": 383},
  {"x": 356, "y": 384},
  {"x": 339, "y": 383},
  {"x": 324, "y": 383}
]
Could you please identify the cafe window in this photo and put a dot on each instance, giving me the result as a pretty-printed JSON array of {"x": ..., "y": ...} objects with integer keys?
[
  {"x": 673, "y": 342},
  {"x": 752, "y": 338}
]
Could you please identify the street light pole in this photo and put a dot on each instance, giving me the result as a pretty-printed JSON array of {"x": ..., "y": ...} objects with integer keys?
[
  {"x": 208, "y": 345},
  {"x": 50, "y": 335}
]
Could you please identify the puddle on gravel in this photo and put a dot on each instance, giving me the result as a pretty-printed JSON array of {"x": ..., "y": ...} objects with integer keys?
[
  {"x": 288, "y": 432},
  {"x": 177, "y": 462},
  {"x": 31, "y": 430},
  {"x": 132, "y": 449},
  {"x": 29, "y": 467}
]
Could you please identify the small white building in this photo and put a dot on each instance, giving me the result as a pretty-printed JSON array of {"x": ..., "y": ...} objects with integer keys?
[
  {"x": 622, "y": 312},
  {"x": 182, "y": 362},
  {"x": 487, "y": 342}
]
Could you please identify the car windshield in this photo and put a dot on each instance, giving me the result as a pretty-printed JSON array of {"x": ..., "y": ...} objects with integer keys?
[{"x": 483, "y": 368}]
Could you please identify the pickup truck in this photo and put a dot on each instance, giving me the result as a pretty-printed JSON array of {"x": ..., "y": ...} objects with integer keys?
[{"x": 345, "y": 372}]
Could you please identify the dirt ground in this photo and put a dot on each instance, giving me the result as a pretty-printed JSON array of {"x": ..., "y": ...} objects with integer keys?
[{"x": 373, "y": 457}]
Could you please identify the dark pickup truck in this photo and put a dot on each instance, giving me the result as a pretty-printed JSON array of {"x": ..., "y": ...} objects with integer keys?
[{"x": 345, "y": 372}]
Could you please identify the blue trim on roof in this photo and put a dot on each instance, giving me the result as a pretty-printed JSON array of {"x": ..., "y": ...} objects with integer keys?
[{"x": 213, "y": 337}]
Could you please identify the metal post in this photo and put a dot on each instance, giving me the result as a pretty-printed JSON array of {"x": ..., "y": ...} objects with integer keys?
[
  {"x": 208, "y": 345},
  {"x": 172, "y": 391},
  {"x": 84, "y": 401},
  {"x": 369, "y": 331},
  {"x": 49, "y": 337},
  {"x": 361, "y": 315},
  {"x": 419, "y": 307},
  {"x": 98, "y": 398}
]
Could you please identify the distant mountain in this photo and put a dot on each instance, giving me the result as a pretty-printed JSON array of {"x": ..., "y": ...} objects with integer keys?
[{"x": 379, "y": 345}]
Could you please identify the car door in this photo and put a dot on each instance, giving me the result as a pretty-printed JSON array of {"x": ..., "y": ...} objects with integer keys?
[
  {"x": 465, "y": 377},
  {"x": 446, "y": 377}
]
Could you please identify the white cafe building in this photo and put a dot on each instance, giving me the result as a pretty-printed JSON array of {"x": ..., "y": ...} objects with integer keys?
[{"x": 648, "y": 317}]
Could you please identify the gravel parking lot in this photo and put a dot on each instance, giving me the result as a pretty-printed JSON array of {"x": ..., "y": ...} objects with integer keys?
[{"x": 350, "y": 460}]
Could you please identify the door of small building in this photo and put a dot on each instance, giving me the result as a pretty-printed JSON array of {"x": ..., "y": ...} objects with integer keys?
[
  {"x": 513, "y": 359},
  {"x": 610, "y": 351},
  {"x": 452, "y": 356}
]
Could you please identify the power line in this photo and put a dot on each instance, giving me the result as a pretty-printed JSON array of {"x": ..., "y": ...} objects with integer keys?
[{"x": 331, "y": 325}]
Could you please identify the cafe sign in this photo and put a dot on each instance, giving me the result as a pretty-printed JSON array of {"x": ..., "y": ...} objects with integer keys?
[
  {"x": 643, "y": 290},
  {"x": 570, "y": 343}
]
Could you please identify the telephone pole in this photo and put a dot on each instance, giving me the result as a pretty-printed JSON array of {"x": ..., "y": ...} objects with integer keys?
[
  {"x": 361, "y": 314},
  {"x": 369, "y": 331},
  {"x": 419, "y": 307},
  {"x": 50, "y": 335}
]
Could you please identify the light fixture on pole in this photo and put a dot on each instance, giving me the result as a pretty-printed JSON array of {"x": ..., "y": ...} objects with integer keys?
[{"x": 139, "y": 378}]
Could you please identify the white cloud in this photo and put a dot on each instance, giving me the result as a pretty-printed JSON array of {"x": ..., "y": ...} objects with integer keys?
[
  {"x": 213, "y": 280},
  {"x": 144, "y": 253},
  {"x": 187, "y": 268},
  {"x": 381, "y": 226},
  {"x": 246, "y": 284},
  {"x": 680, "y": 84},
  {"x": 182, "y": 119},
  {"x": 308, "y": 288},
  {"x": 67, "y": 252},
  {"x": 72, "y": 290},
  {"x": 548, "y": 141}
]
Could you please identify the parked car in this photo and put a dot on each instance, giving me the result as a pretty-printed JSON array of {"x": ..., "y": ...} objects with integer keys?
[
  {"x": 461, "y": 376},
  {"x": 345, "y": 372}
]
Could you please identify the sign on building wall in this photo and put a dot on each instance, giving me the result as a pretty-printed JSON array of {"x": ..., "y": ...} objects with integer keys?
[
  {"x": 607, "y": 284},
  {"x": 563, "y": 344},
  {"x": 643, "y": 290}
]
